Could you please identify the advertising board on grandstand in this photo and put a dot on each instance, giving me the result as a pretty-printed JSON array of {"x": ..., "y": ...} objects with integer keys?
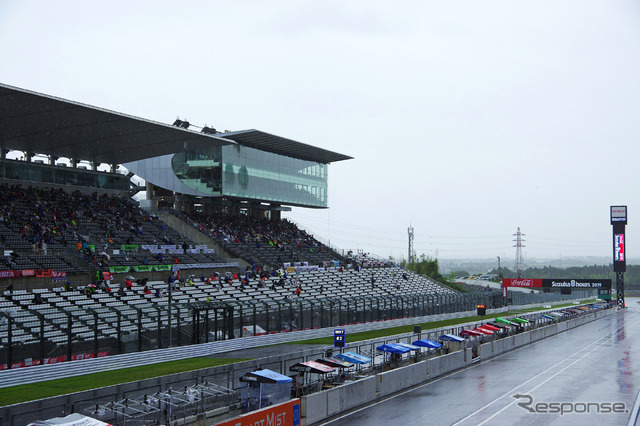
[{"x": 555, "y": 283}]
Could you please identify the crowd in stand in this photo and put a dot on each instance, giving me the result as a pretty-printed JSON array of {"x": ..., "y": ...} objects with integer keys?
[
  {"x": 49, "y": 215},
  {"x": 252, "y": 230},
  {"x": 283, "y": 237}
]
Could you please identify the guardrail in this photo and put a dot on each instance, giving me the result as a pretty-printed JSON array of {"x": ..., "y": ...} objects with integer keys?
[{"x": 41, "y": 373}]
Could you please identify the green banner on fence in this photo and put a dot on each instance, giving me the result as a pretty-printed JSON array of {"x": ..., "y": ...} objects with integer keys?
[
  {"x": 161, "y": 267},
  {"x": 129, "y": 247},
  {"x": 118, "y": 269},
  {"x": 143, "y": 268}
]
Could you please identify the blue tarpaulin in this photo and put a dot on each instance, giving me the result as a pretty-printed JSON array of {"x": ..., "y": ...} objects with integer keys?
[
  {"x": 451, "y": 338},
  {"x": 426, "y": 343},
  {"x": 410, "y": 346},
  {"x": 354, "y": 358},
  {"x": 265, "y": 376},
  {"x": 393, "y": 348}
]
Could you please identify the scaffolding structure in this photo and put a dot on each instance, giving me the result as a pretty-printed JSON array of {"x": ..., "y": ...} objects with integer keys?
[{"x": 166, "y": 406}]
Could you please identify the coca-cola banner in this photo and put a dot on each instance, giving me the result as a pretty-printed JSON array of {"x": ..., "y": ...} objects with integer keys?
[
  {"x": 555, "y": 283},
  {"x": 521, "y": 282}
]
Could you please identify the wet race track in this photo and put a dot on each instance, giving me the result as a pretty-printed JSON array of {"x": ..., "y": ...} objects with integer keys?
[{"x": 594, "y": 367}]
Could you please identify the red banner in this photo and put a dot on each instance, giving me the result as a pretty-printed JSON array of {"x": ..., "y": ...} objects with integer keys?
[
  {"x": 53, "y": 360},
  {"x": 9, "y": 274},
  {"x": 44, "y": 273},
  {"x": 521, "y": 282}
]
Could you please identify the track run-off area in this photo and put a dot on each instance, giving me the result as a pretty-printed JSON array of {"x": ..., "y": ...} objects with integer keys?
[{"x": 589, "y": 375}]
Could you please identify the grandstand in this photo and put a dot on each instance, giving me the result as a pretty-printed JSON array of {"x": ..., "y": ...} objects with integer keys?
[
  {"x": 56, "y": 318},
  {"x": 204, "y": 255}
]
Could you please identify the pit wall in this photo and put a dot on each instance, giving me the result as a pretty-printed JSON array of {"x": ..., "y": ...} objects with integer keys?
[{"x": 319, "y": 406}]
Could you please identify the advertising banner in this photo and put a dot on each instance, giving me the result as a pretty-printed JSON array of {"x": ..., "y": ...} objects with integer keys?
[
  {"x": 44, "y": 273},
  {"x": 555, "y": 283},
  {"x": 285, "y": 414},
  {"x": 142, "y": 268},
  {"x": 577, "y": 284},
  {"x": 9, "y": 274},
  {"x": 521, "y": 282},
  {"x": 59, "y": 275}
]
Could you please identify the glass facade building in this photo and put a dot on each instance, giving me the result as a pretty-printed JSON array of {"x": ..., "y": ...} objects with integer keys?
[
  {"x": 243, "y": 172},
  {"x": 239, "y": 172}
]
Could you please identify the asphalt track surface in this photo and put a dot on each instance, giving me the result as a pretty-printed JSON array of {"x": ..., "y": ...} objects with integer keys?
[{"x": 578, "y": 372}]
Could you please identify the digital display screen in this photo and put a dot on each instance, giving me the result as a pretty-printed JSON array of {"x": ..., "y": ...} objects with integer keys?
[{"x": 618, "y": 247}]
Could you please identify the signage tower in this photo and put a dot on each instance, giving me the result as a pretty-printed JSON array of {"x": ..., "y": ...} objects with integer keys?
[{"x": 619, "y": 220}]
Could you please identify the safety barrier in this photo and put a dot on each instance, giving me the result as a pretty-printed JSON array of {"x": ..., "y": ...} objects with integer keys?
[
  {"x": 317, "y": 407},
  {"x": 41, "y": 373},
  {"x": 337, "y": 400}
]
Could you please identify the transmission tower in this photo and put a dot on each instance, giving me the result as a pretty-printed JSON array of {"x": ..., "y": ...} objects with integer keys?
[
  {"x": 410, "y": 254},
  {"x": 519, "y": 257}
]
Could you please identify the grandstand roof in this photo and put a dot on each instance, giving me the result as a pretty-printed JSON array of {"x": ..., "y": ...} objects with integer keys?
[
  {"x": 34, "y": 122},
  {"x": 39, "y": 123},
  {"x": 283, "y": 146}
]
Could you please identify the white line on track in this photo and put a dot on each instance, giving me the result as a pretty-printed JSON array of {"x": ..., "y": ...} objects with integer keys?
[{"x": 598, "y": 342}]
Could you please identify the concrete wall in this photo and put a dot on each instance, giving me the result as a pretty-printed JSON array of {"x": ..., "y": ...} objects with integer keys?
[
  {"x": 321, "y": 405},
  {"x": 444, "y": 364},
  {"x": 401, "y": 378},
  {"x": 521, "y": 339}
]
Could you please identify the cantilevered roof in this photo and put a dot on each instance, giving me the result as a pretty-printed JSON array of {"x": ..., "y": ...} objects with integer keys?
[
  {"x": 283, "y": 146},
  {"x": 38, "y": 123}
]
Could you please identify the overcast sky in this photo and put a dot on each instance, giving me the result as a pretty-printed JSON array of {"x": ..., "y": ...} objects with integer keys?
[{"x": 466, "y": 119}]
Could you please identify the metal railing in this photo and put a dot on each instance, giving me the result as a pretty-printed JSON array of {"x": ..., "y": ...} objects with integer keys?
[{"x": 40, "y": 373}]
